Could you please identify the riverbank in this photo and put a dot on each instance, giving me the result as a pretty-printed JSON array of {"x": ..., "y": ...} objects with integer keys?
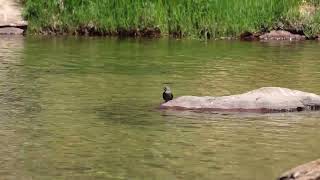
[{"x": 202, "y": 19}]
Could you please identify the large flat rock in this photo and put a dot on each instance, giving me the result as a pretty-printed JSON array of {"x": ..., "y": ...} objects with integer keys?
[
  {"x": 308, "y": 171},
  {"x": 266, "y": 99},
  {"x": 10, "y": 16}
]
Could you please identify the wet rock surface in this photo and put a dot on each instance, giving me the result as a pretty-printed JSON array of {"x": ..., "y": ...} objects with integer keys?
[
  {"x": 263, "y": 100},
  {"x": 308, "y": 171}
]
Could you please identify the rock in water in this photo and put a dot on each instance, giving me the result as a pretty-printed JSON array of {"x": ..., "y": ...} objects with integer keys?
[
  {"x": 282, "y": 35},
  {"x": 264, "y": 100},
  {"x": 309, "y": 171},
  {"x": 11, "y": 31}
]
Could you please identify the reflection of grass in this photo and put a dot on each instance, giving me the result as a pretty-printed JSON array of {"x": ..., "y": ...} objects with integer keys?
[
  {"x": 98, "y": 120},
  {"x": 213, "y": 18}
]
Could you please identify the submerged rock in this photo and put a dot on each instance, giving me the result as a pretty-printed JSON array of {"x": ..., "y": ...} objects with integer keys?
[
  {"x": 264, "y": 100},
  {"x": 308, "y": 171},
  {"x": 282, "y": 35}
]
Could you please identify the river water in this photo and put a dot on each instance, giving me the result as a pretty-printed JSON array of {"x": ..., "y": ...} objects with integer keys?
[{"x": 86, "y": 108}]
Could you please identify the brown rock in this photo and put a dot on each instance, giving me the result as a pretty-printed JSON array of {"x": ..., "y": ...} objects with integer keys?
[
  {"x": 308, "y": 171},
  {"x": 263, "y": 100},
  {"x": 282, "y": 35},
  {"x": 248, "y": 36}
]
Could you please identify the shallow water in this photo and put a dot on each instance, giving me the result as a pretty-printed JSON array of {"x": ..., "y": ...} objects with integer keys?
[{"x": 86, "y": 108}]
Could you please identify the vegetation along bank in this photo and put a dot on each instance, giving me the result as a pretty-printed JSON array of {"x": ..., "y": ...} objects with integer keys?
[{"x": 187, "y": 18}]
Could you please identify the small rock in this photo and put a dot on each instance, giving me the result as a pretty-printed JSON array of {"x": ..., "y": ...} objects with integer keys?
[
  {"x": 11, "y": 31},
  {"x": 282, "y": 35}
]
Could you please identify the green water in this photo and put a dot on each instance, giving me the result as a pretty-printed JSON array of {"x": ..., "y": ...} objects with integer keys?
[{"x": 86, "y": 108}]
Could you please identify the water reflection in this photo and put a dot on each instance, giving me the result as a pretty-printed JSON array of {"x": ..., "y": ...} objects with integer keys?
[
  {"x": 86, "y": 108},
  {"x": 11, "y": 49}
]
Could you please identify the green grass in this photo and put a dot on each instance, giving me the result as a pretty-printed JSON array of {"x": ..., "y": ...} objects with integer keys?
[{"x": 195, "y": 18}]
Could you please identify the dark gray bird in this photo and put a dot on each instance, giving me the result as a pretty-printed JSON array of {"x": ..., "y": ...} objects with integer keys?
[{"x": 167, "y": 94}]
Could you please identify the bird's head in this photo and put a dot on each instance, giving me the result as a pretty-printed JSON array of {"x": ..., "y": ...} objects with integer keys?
[{"x": 167, "y": 89}]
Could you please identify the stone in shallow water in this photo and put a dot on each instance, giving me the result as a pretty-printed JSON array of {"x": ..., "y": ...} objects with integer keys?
[
  {"x": 308, "y": 171},
  {"x": 282, "y": 35},
  {"x": 11, "y": 31},
  {"x": 267, "y": 99}
]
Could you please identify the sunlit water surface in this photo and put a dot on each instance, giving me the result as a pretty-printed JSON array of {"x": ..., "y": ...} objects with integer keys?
[{"x": 86, "y": 108}]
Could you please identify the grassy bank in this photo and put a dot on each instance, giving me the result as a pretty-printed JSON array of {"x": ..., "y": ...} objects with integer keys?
[{"x": 197, "y": 18}]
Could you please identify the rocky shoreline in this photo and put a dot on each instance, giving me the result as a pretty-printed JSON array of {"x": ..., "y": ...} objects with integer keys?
[
  {"x": 274, "y": 35},
  {"x": 12, "y": 23}
]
